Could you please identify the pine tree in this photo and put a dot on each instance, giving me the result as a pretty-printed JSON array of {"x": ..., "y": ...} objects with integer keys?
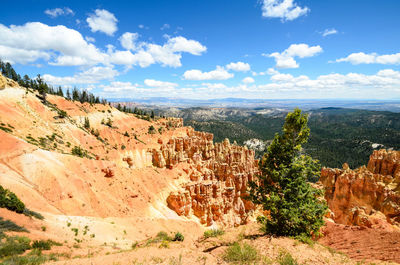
[
  {"x": 68, "y": 95},
  {"x": 282, "y": 188},
  {"x": 41, "y": 86}
]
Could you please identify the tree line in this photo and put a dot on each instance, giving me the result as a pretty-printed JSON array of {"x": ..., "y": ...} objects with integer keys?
[{"x": 43, "y": 88}]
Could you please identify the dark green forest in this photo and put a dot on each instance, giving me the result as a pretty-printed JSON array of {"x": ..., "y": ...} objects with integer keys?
[{"x": 337, "y": 135}]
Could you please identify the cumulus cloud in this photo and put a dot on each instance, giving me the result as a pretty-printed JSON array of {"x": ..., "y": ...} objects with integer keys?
[
  {"x": 286, "y": 59},
  {"x": 59, "y": 12},
  {"x": 61, "y": 46},
  {"x": 118, "y": 86},
  {"x": 283, "y": 9},
  {"x": 218, "y": 74},
  {"x": 328, "y": 32},
  {"x": 248, "y": 80},
  {"x": 363, "y": 58},
  {"x": 128, "y": 40},
  {"x": 34, "y": 40},
  {"x": 214, "y": 85},
  {"x": 168, "y": 54},
  {"x": 383, "y": 79},
  {"x": 239, "y": 67},
  {"x": 90, "y": 76},
  {"x": 103, "y": 21},
  {"x": 159, "y": 84}
]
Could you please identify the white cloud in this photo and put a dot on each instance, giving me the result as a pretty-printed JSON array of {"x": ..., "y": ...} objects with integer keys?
[
  {"x": 239, "y": 67},
  {"x": 181, "y": 44},
  {"x": 351, "y": 85},
  {"x": 128, "y": 40},
  {"x": 218, "y": 74},
  {"x": 17, "y": 55},
  {"x": 168, "y": 54},
  {"x": 102, "y": 21},
  {"x": 337, "y": 84},
  {"x": 59, "y": 12},
  {"x": 328, "y": 32},
  {"x": 90, "y": 76},
  {"x": 118, "y": 86},
  {"x": 284, "y": 9},
  {"x": 165, "y": 26},
  {"x": 61, "y": 46},
  {"x": 286, "y": 58},
  {"x": 248, "y": 80},
  {"x": 159, "y": 84},
  {"x": 90, "y": 39},
  {"x": 363, "y": 58},
  {"x": 36, "y": 40},
  {"x": 214, "y": 85}
]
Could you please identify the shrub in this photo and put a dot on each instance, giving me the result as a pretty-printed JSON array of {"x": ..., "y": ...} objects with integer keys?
[
  {"x": 14, "y": 245},
  {"x": 163, "y": 236},
  {"x": 164, "y": 244},
  {"x": 213, "y": 233},
  {"x": 62, "y": 114},
  {"x": 30, "y": 259},
  {"x": 152, "y": 130},
  {"x": 78, "y": 151},
  {"x": 41, "y": 244},
  {"x": 285, "y": 258},
  {"x": 242, "y": 254},
  {"x": 126, "y": 134},
  {"x": 8, "y": 130},
  {"x": 10, "y": 201},
  {"x": 109, "y": 123},
  {"x": 87, "y": 123},
  {"x": 282, "y": 188},
  {"x": 178, "y": 237}
]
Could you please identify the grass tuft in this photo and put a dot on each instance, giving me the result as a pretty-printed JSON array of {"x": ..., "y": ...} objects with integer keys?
[
  {"x": 213, "y": 233},
  {"x": 241, "y": 254}
]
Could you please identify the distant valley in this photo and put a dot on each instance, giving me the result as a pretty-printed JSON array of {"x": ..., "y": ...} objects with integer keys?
[{"x": 338, "y": 135}]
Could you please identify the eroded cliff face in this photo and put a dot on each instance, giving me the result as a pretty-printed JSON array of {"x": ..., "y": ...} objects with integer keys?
[
  {"x": 366, "y": 196},
  {"x": 218, "y": 176}
]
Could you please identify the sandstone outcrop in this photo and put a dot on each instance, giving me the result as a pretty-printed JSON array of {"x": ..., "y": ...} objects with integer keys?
[
  {"x": 218, "y": 174},
  {"x": 6, "y": 82},
  {"x": 368, "y": 195}
]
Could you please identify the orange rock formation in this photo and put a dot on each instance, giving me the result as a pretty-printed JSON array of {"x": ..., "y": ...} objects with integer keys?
[
  {"x": 366, "y": 196},
  {"x": 218, "y": 174}
]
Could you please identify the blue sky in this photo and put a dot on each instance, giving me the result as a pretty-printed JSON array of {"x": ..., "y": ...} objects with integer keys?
[{"x": 210, "y": 48}]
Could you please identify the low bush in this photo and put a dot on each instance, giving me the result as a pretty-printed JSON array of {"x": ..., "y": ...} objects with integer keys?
[
  {"x": 285, "y": 258},
  {"x": 41, "y": 244},
  {"x": 178, "y": 237},
  {"x": 213, "y": 233},
  {"x": 241, "y": 254},
  {"x": 14, "y": 246}
]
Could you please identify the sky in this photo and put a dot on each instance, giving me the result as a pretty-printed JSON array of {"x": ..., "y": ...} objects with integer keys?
[{"x": 265, "y": 49}]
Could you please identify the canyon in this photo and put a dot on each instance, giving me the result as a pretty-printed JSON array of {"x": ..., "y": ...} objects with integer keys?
[{"x": 119, "y": 179}]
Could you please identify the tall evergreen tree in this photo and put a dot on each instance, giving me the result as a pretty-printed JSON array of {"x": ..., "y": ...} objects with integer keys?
[
  {"x": 282, "y": 188},
  {"x": 41, "y": 86}
]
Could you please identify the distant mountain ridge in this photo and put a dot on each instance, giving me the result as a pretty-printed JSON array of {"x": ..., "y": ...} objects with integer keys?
[{"x": 306, "y": 104}]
